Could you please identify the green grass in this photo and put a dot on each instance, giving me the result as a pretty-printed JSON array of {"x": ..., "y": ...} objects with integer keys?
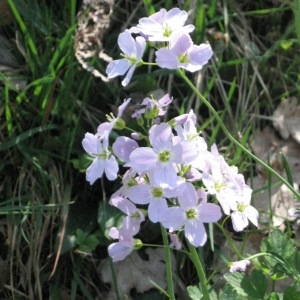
[{"x": 48, "y": 102}]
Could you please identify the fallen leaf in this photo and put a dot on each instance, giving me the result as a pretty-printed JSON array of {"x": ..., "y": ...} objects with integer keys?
[
  {"x": 136, "y": 273},
  {"x": 267, "y": 146},
  {"x": 286, "y": 119}
]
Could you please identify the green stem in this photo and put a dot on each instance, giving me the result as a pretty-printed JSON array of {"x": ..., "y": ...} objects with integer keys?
[
  {"x": 229, "y": 240},
  {"x": 282, "y": 262},
  {"x": 24, "y": 30},
  {"x": 200, "y": 271},
  {"x": 168, "y": 263},
  {"x": 232, "y": 139}
]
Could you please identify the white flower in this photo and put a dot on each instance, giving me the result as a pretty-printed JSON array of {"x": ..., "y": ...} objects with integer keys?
[
  {"x": 239, "y": 266},
  {"x": 133, "y": 50},
  {"x": 244, "y": 211}
]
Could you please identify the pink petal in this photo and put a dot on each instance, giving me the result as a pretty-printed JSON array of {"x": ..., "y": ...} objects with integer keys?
[
  {"x": 111, "y": 168},
  {"x": 140, "y": 193},
  {"x": 195, "y": 233},
  {"x": 95, "y": 170},
  {"x": 117, "y": 67},
  {"x": 90, "y": 143},
  {"x": 143, "y": 159}
]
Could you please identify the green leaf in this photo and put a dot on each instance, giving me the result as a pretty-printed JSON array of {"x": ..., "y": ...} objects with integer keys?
[
  {"x": 25, "y": 135},
  {"x": 86, "y": 242},
  {"x": 286, "y": 44},
  {"x": 253, "y": 287},
  {"x": 291, "y": 293},
  {"x": 82, "y": 163},
  {"x": 287, "y": 169},
  {"x": 91, "y": 242},
  {"x": 235, "y": 280},
  {"x": 296, "y": 261},
  {"x": 297, "y": 18},
  {"x": 80, "y": 236},
  {"x": 260, "y": 282},
  {"x": 194, "y": 292},
  {"x": 109, "y": 216},
  {"x": 279, "y": 243},
  {"x": 273, "y": 296},
  {"x": 229, "y": 293}
]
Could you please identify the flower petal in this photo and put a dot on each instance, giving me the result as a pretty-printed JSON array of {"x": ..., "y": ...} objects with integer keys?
[
  {"x": 156, "y": 208},
  {"x": 195, "y": 232},
  {"x": 140, "y": 193},
  {"x": 161, "y": 136},
  {"x": 91, "y": 143},
  {"x": 95, "y": 170},
  {"x": 143, "y": 159},
  {"x": 117, "y": 67},
  {"x": 209, "y": 212},
  {"x": 126, "y": 42},
  {"x": 111, "y": 168},
  {"x": 173, "y": 218}
]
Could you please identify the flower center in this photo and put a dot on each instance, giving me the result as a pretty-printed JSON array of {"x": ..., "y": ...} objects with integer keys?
[
  {"x": 183, "y": 58},
  {"x": 157, "y": 192},
  {"x": 241, "y": 207},
  {"x": 132, "y": 59},
  {"x": 110, "y": 117},
  {"x": 164, "y": 156},
  {"x": 135, "y": 215},
  {"x": 191, "y": 214},
  {"x": 103, "y": 155},
  {"x": 167, "y": 30},
  {"x": 219, "y": 186}
]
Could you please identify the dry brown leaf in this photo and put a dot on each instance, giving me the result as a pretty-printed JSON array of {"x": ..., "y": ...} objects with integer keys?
[
  {"x": 282, "y": 202},
  {"x": 134, "y": 272},
  {"x": 286, "y": 119},
  {"x": 268, "y": 147},
  {"x": 93, "y": 22}
]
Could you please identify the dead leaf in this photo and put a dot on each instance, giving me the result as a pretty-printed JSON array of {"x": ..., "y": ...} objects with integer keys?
[
  {"x": 268, "y": 147},
  {"x": 281, "y": 200},
  {"x": 286, "y": 119},
  {"x": 135, "y": 273}
]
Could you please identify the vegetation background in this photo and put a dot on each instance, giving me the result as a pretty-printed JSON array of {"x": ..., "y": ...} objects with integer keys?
[{"x": 52, "y": 222}]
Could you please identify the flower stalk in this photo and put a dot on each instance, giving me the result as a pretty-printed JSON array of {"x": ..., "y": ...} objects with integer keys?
[
  {"x": 231, "y": 138},
  {"x": 168, "y": 264},
  {"x": 200, "y": 271}
]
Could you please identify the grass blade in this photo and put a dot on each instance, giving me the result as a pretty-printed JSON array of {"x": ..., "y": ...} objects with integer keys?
[
  {"x": 23, "y": 136},
  {"x": 297, "y": 18}
]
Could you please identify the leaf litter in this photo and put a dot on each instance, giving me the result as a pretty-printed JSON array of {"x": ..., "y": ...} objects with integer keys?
[{"x": 269, "y": 145}]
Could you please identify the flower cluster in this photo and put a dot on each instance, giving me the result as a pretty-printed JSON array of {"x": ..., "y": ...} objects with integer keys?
[
  {"x": 172, "y": 175},
  {"x": 165, "y": 30}
]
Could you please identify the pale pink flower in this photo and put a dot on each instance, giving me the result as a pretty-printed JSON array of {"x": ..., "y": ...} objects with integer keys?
[
  {"x": 134, "y": 216},
  {"x": 182, "y": 53},
  {"x": 122, "y": 148},
  {"x": 220, "y": 180},
  {"x": 244, "y": 211},
  {"x": 153, "y": 194},
  {"x": 240, "y": 266},
  {"x": 104, "y": 161},
  {"x": 163, "y": 156},
  {"x": 133, "y": 50},
  {"x": 153, "y": 107},
  {"x": 175, "y": 242},
  {"x": 163, "y": 24},
  {"x": 106, "y": 127},
  {"x": 126, "y": 244},
  {"x": 191, "y": 215}
]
